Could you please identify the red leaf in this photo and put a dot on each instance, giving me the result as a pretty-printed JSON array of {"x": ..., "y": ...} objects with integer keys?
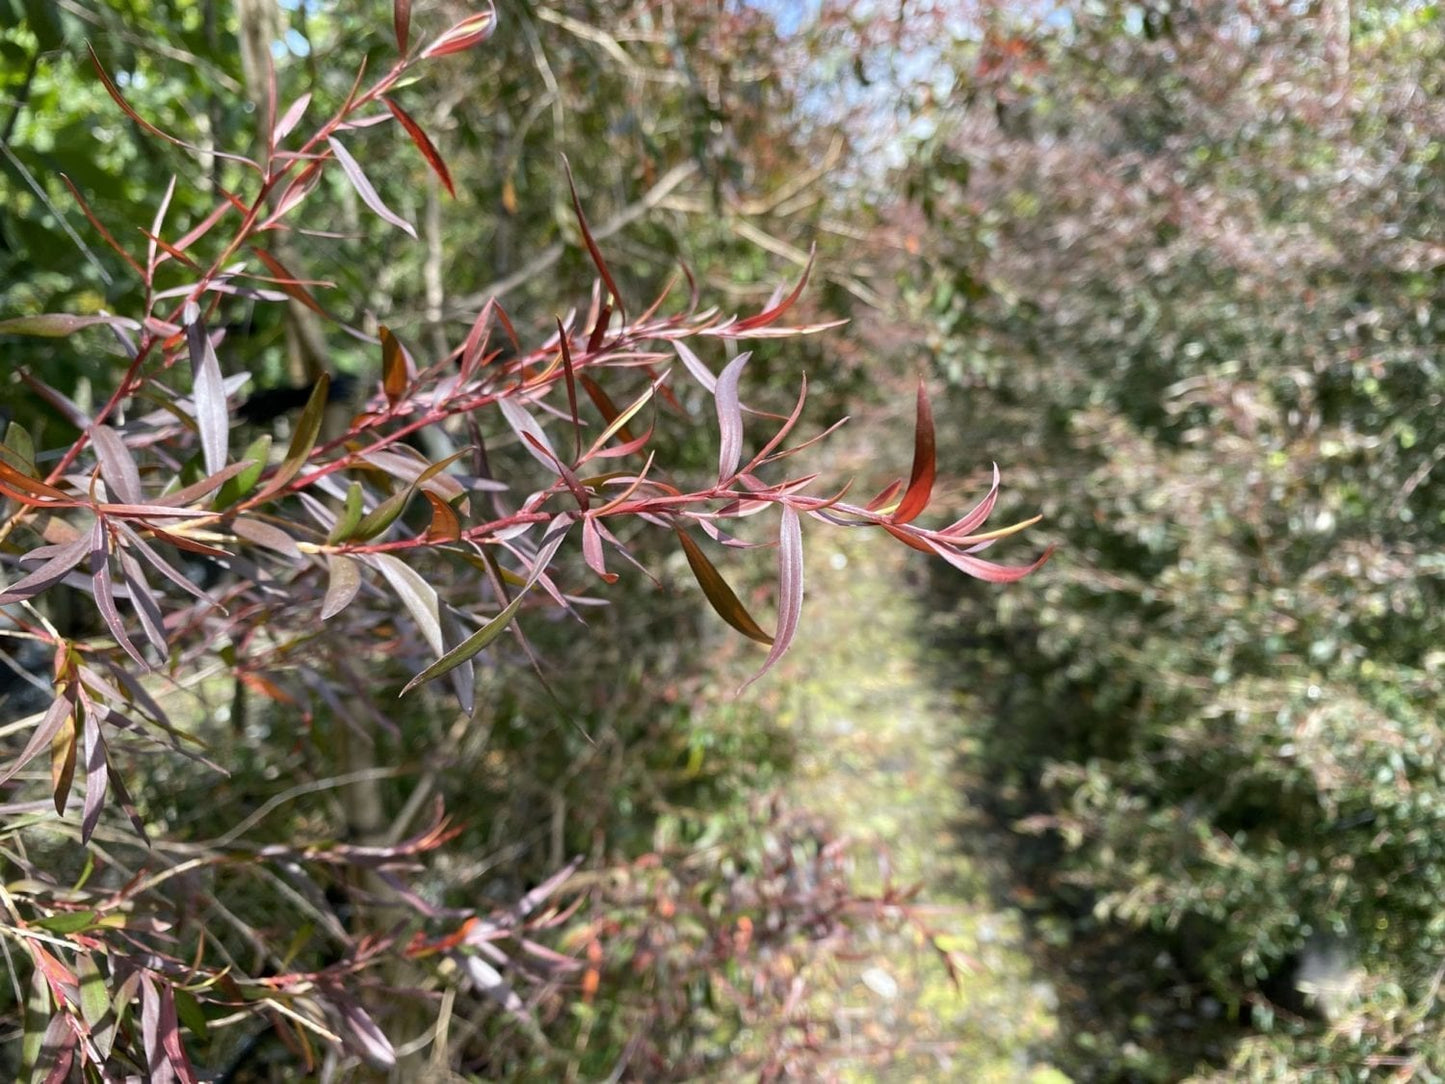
[
  {"x": 55, "y": 569},
  {"x": 288, "y": 281},
  {"x": 60, "y": 710},
  {"x": 465, "y": 34},
  {"x": 423, "y": 144},
  {"x": 352, "y": 169},
  {"x": 445, "y": 526},
  {"x": 401, "y": 21},
  {"x": 769, "y": 316},
  {"x": 920, "y": 482},
  {"x": 591, "y": 244},
  {"x": 986, "y": 570}
]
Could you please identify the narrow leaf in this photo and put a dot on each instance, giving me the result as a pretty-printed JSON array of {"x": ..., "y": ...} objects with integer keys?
[
  {"x": 920, "y": 482},
  {"x": 117, "y": 466},
  {"x": 287, "y": 281},
  {"x": 428, "y": 150},
  {"x": 308, "y": 428},
  {"x": 478, "y": 640},
  {"x": 790, "y": 588},
  {"x": 591, "y": 244},
  {"x": 58, "y": 324},
  {"x": 345, "y": 581},
  {"x": 292, "y": 117},
  {"x": 988, "y": 571},
  {"x": 363, "y": 187},
  {"x": 264, "y": 534},
  {"x": 718, "y": 593},
  {"x": 55, "y": 718},
  {"x": 96, "y": 773},
  {"x": 62, "y": 763},
  {"x": 209, "y": 389},
  {"x": 401, "y": 22},
  {"x": 348, "y": 519},
  {"x": 47, "y": 575},
  {"x": 524, "y": 425},
  {"x": 253, "y": 463},
  {"x": 103, "y": 588},
  {"x": 730, "y": 418}
]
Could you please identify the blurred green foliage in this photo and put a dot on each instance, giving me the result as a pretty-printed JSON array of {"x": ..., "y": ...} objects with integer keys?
[{"x": 1192, "y": 261}]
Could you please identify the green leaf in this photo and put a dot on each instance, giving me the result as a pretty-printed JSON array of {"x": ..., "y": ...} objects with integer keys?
[
  {"x": 19, "y": 449},
  {"x": 346, "y": 523},
  {"x": 66, "y": 921},
  {"x": 308, "y": 428},
  {"x": 478, "y": 640},
  {"x": 95, "y": 1006},
  {"x": 189, "y": 1011},
  {"x": 55, "y": 325},
  {"x": 37, "y": 1017},
  {"x": 718, "y": 593},
  {"x": 259, "y": 454}
]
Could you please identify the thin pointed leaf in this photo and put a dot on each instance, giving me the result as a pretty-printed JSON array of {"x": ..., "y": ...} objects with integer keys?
[
  {"x": 730, "y": 418},
  {"x": 103, "y": 587},
  {"x": 352, "y": 169},
  {"x": 428, "y": 150},
  {"x": 478, "y": 640},
  {"x": 790, "y": 588},
  {"x": 988, "y": 571},
  {"x": 287, "y": 281},
  {"x": 292, "y": 117},
  {"x": 96, "y": 772},
  {"x": 693, "y": 364},
  {"x": 592, "y": 550},
  {"x": 345, "y": 581},
  {"x": 350, "y": 516},
  {"x": 143, "y": 601},
  {"x": 55, "y": 716},
  {"x": 47, "y": 575},
  {"x": 524, "y": 425},
  {"x": 771, "y": 315},
  {"x": 308, "y": 428},
  {"x": 718, "y": 593},
  {"x": 62, "y": 763},
  {"x": 209, "y": 391},
  {"x": 117, "y": 466},
  {"x": 591, "y": 243},
  {"x": 252, "y": 465},
  {"x": 365, "y": 1037},
  {"x": 920, "y": 482},
  {"x": 59, "y": 324}
]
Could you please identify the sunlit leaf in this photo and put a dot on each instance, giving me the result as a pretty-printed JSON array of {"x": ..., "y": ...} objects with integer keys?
[
  {"x": 465, "y": 34},
  {"x": 253, "y": 463},
  {"x": 55, "y": 569},
  {"x": 730, "y": 418},
  {"x": 59, "y": 324},
  {"x": 394, "y": 375},
  {"x": 718, "y": 593},
  {"x": 116, "y": 465},
  {"x": 62, "y": 762},
  {"x": 354, "y": 174},
  {"x": 308, "y": 428},
  {"x": 209, "y": 391},
  {"x": 265, "y": 534},
  {"x": 50, "y": 725},
  {"x": 920, "y": 482},
  {"x": 587, "y": 239},
  {"x": 790, "y": 588},
  {"x": 96, "y": 772},
  {"x": 418, "y": 596},
  {"x": 350, "y": 516}
]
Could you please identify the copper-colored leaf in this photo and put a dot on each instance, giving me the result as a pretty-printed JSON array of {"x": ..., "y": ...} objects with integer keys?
[
  {"x": 920, "y": 482},
  {"x": 62, "y": 762},
  {"x": 589, "y": 241},
  {"x": 394, "y": 375},
  {"x": 471, "y": 31},
  {"x": 445, "y": 526},
  {"x": 790, "y": 588},
  {"x": 401, "y": 23}
]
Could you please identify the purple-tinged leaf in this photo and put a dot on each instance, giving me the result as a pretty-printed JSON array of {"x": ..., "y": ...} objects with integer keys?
[
  {"x": 920, "y": 482},
  {"x": 170, "y": 1033},
  {"x": 978, "y": 513},
  {"x": 143, "y": 600},
  {"x": 693, "y": 364},
  {"x": 179, "y": 498},
  {"x": 117, "y": 466},
  {"x": 352, "y": 169},
  {"x": 345, "y": 581},
  {"x": 58, "y": 324},
  {"x": 160, "y": 564},
  {"x": 360, "y": 1033},
  {"x": 717, "y": 591},
  {"x": 292, "y": 117},
  {"x": 68, "y": 409},
  {"x": 471, "y": 31},
  {"x": 591, "y": 243},
  {"x": 96, "y": 772},
  {"x": 104, "y": 590},
  {"x": 987, "y": 570},
  {"x": 730, "y": 418},
  {"x": 418, "y": 596},
  {"x": 264, "y": 534},
  {"x": 47, "y": 575},
  {"x": 289, "y": 283},
  {"x": 153, "y": 1037},
  {"x": 478, "y": 640},
  {"x": 209, "y": 391},
  {"x": 523, "y": 424},
  {"x": 784, "y": 430},
  {"x": 100, "y": 227},
  {"x": 790, "y": 588},
  {"x": 55, "y": 717},
  {"x": 155, "y": 232},
  {"x": 592, "y": 550},
  {"x": 428, "y": 150}
]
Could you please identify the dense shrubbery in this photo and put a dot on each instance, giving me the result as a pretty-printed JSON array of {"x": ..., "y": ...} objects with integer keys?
[{"x": 1200, "y": 270}]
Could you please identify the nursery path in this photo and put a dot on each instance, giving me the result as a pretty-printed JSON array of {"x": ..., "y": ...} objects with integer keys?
[{"x": 877, "y": 758}]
